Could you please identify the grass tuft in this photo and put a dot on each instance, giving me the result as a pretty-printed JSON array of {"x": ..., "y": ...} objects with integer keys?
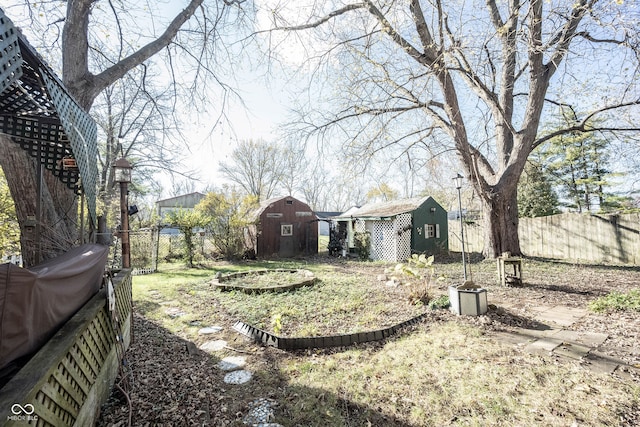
[{"x": 617, "y": 301}]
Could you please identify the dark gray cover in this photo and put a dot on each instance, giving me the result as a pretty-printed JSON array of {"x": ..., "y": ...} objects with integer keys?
[{"x": 36, "y": 302}]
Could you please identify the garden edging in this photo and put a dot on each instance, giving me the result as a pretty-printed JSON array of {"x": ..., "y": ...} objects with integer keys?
[{"x": 303, "y": 343}]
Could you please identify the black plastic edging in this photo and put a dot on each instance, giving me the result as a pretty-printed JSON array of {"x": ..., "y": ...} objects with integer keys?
[{"x": 303, "y": 343}]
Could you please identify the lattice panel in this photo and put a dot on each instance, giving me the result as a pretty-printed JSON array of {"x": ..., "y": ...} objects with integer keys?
[
  {"x": 391, "y": 240},
  {"x": 403, "y": 227},
  {"x": 82, "y": 132},
  {"x": 383, "y": 242},
  {"x": 60, "y": 400},
  {"x": 10, "y": 70},
  {"x": 42, "y": 141},
  {"x": 36, "y": 110}
]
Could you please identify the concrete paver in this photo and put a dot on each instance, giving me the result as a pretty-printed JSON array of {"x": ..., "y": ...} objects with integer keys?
[
  {"x": 572, "y": 351},
  {"x": 590, "y": 339},
  {"x": 542, "y": 346},
  {"x": 563, "y": 316},
  {"x": 600, "y": 363},
  {"x": 513, "y": 338},
  {"x": 551, "y": 338}
]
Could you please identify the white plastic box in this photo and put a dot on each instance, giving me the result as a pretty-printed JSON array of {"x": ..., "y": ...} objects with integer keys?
[{"x": 468, "y": 299}]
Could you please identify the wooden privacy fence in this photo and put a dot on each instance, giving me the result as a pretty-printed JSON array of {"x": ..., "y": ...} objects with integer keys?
[
  {"x": 570, "y": 236},
  {"x": 68, "y": 379}
]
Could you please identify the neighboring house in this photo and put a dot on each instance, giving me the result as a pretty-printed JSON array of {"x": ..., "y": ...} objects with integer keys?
[
  {"x": 399, "y": 228},
  {"x": 324, "y": 218},
  {"x": 185, "y": 201},
  {"x": 283, "y": 227}
]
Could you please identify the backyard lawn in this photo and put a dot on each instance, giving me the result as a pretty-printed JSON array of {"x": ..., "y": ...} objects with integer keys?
[{"x": 443, "y": 370}]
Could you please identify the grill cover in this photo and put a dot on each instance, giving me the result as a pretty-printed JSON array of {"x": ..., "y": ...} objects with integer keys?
[{"x": 36, "y": 302}]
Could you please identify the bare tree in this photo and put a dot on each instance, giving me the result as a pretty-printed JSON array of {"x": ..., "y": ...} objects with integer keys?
[
  {"x": 293, "y": 165},
  {"x": 256, "y": 166},
  {"x": 313, "y": 186},
  {"x": 381, "y": 192},
  {"x": 479, "y": 76},
  {"x": 99, "y": 44}
]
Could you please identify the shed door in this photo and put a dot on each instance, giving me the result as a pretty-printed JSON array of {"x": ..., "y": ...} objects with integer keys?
[
  {"x": 286, "y": 246},
  {"x": 286, "y": 241}
]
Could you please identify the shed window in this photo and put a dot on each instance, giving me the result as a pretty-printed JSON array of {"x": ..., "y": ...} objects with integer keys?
[
  {"x": 431, "y": 231},
  {"x": 286, "y": 230}
]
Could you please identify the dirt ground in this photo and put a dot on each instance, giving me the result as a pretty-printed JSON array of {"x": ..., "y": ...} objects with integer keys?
[{"x": 163, "y": 369}]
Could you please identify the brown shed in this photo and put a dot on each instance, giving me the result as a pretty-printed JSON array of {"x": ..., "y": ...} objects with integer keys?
[{"x": 284, "y": 227}]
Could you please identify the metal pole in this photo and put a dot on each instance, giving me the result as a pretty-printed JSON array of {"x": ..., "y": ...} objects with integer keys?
[
  {"x": 38, "y": 242},
  {"x": 464, "y": 262},
  {"x": 82, "y": 218},
  {"x": 124, "y": 224}
]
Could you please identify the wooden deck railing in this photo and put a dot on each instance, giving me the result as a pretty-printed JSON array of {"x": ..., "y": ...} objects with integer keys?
[{"x": 68, "y": 379}]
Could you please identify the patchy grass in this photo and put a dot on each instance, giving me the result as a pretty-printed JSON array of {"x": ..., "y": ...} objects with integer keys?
[
  {"x": 450, "y": 374},
  {"x": 262, "y": 279},
  {"x": 617, "y": 301},
  {"x": 336, "y": 304},
  {"x": 446, "y": 370}
]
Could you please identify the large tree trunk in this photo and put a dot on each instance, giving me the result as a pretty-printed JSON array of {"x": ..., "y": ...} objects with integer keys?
[
  {"x": 58, "y": 227},
  {"x": 500, "y": 215}
]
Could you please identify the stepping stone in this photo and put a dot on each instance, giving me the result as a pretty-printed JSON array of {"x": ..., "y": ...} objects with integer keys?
[
  {"x": 216, "y": 345},
  {"x": 512, "y": 338},
  {"x": 174, "y": 312},
  {"x": 563, "y": 316},
  {"x": 543, "y": 346},
  {"x": 260, "y": 412},
  {"x": 572, "y": 351},
  {"x": 237, "y": 377},
  {"x": 209, "y": 330},
  {"x": 232, "y": 363},
  {"x": 591, "y": 339},
  {"x": 601, "y": 362}
]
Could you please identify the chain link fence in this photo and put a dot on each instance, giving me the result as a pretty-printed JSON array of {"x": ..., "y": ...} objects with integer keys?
[{"x": 150, "y": 247}]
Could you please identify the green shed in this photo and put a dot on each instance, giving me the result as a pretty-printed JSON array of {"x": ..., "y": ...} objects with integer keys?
[{"x": 399, "y": 228}]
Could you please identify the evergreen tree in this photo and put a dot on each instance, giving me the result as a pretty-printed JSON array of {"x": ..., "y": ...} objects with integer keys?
[
  {"x": 536, "y": 196},
  {"x": 579, "y": 164}
]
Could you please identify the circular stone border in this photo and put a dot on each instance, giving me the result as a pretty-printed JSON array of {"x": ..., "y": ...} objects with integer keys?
[{"x": 309, "y": 280}]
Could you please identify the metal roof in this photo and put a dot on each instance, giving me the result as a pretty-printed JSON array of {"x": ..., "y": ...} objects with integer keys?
[
  {"x": 254, "y": 216},
  {"x": 42, "y": 117}
]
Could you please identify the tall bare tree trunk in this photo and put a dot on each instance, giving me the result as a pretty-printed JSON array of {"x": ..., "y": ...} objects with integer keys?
[
  {"x": 500, "y": 217},
  {"x": 58, "y": 228}
]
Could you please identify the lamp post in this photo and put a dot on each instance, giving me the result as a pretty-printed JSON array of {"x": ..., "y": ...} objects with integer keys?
[
  {"x": 122, "y": 175},
  {"x": 458, "y": 180}
]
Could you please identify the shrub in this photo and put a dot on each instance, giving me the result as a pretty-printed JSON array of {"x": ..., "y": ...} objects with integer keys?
[
  {"x": 419, "y": 269},
  {"x": 186, "y": 221},
  {"x": 362, "y": 242},
  {"x": 441, "y": 302},
  {"x": 617, "y": 301},
  {"x": 227, "y": 220}
]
